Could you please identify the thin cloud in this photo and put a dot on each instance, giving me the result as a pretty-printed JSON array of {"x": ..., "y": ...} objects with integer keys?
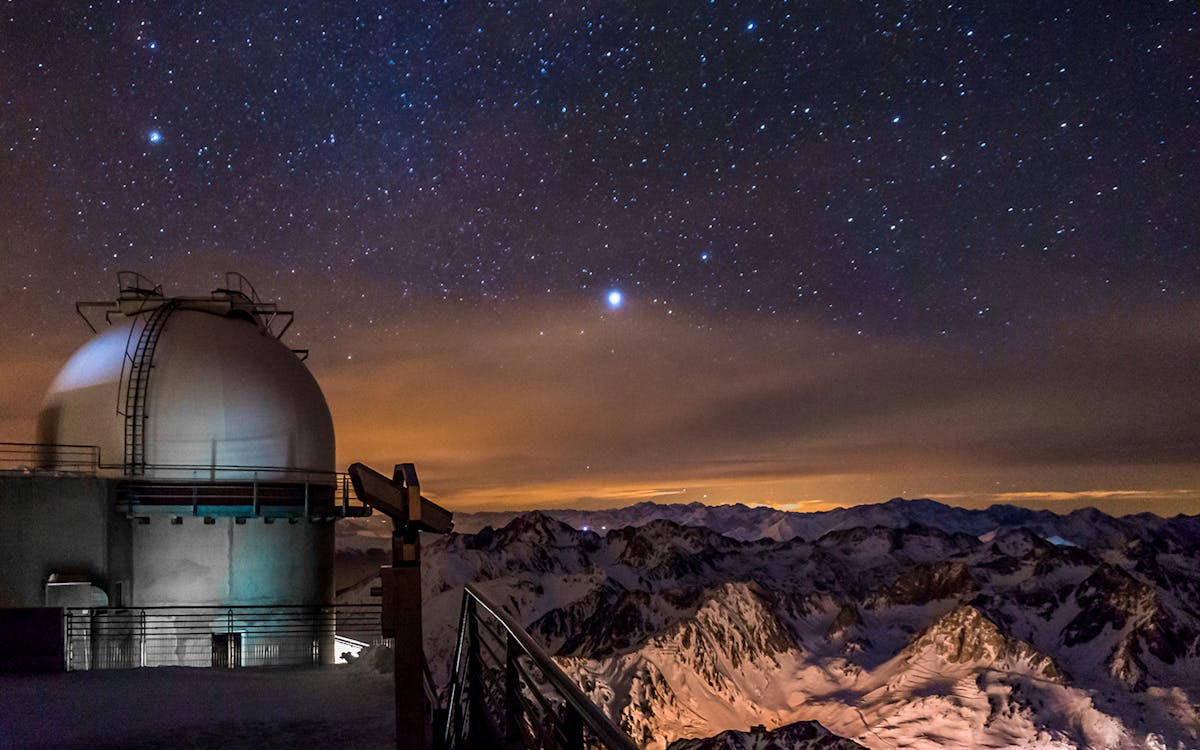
[{"x": 552, "y": 403}]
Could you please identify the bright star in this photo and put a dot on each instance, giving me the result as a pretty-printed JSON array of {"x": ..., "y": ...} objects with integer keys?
[
  {"x": 155, "y": 136},
  {"x": 750, "y": 25},
  {"x": 615, "y": 299}
]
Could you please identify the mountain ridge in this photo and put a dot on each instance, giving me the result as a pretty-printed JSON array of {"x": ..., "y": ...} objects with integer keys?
[{"x": 1058, "y": 632}]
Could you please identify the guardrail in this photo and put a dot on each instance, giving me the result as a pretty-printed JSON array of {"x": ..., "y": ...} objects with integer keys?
[
  {"x": 63, "y": 459},
  {"x": 222, "y": 484},
  {"x": 212, "y": 636},
  {"x": 252, "y": 496},
  {"x": 507, "y": 692}
]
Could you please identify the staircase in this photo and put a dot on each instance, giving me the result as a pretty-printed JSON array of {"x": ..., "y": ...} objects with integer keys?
[{"x": 141, "y": 362}]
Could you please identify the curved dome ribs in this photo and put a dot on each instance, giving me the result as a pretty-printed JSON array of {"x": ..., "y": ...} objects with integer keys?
[{"x": 141, "y": 362}]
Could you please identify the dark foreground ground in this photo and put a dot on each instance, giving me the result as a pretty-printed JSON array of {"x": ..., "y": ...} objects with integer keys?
[{"x": 177, "y": 707}]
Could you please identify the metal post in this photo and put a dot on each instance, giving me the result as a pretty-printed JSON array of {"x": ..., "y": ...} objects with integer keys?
[
  {"x": 573, "y": 729},
  {"x": 513, "y": 715},
  {"x": 69, "y": 645},
  {"x": 476, "y": 717},
  {"x": 402, "y": 591},
  {"x": 229, "y": 638},
  {"x": 458, "y": 670}
]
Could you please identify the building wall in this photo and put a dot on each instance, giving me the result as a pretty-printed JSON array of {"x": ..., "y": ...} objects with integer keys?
[
  {"x": 65, "y": 524},
  {"x": 55, "y": 524},
  {"x": 232, "y": 563}
]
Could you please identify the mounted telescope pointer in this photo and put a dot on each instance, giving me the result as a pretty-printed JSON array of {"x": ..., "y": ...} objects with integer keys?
[{"x": 400, "y": 499}]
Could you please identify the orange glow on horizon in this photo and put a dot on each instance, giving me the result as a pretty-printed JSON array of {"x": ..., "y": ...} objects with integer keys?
[{"x": 542, "y": 405}]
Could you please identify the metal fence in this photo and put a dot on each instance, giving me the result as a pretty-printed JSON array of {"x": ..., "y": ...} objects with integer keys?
[
  {"x": 201, "y": 636},
  {"x": 63, "y": 459},
  {"x": 202, "y": 488},
  {"x": 507, "y": 692}
]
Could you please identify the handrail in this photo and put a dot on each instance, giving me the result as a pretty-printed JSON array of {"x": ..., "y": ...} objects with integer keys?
[
  {"x": 603, "y": 727},
  {"x": 34, "y": 449},
  {"x": 86, "y": 460},
  {"x": 65, "y": 458}
]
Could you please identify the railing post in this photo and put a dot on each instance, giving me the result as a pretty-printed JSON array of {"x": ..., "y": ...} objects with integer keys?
[
  {"x": 318, "y": 620},
  {"x": 458, "y": 673},
  {"x": 69, "y": 649},
  {"x": 573, "y": 729},
  {"x": 229, "y": 638},
  {"x": 513, "y": 715},
  {"x": 476, "y": 717}
]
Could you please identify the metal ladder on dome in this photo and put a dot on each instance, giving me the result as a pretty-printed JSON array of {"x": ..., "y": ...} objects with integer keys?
[{"x": 141, "y": 361}]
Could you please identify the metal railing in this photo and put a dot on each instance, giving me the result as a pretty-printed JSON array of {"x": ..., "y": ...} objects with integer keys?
[
  {"x": 212, "y": 636},
  {"x": 306, "y": 492},
  {"x": 39, "y": 457},
  {"x": 507, "y": 692},
  {"x": 223, "y": 485}
]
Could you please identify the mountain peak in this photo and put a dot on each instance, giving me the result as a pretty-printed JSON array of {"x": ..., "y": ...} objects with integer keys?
[
  {"x": 965, "y": 635},
  {"x": 537, "y": 527}
]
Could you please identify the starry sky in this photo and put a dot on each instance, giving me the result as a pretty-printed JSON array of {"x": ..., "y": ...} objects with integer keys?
[{"x": 580, "y": 255}]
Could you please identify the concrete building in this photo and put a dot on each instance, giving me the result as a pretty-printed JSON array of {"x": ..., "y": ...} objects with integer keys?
[{"x": 184, "y": 464}]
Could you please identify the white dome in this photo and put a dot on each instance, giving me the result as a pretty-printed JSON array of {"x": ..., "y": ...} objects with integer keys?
[{"x": 222, "y": 393}]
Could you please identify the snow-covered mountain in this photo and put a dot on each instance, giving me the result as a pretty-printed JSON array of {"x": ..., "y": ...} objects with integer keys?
[
  {"x": 904, "y": 625},
  {"x": 1086, "y": 526},
  {"x": 803, "y": 735}
]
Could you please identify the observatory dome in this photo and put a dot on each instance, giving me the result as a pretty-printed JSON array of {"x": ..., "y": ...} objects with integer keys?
[{"x": 222, "y": 398}]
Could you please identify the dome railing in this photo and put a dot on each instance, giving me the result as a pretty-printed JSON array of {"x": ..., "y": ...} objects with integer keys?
[
  {"x": 39, "y": 457},
  {"x": 254, "y": 485},
  {"x": 237, "y": 297}
]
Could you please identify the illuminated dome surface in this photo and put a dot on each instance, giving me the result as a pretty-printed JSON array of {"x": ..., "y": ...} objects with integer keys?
[{"x": 222, "y": 393}]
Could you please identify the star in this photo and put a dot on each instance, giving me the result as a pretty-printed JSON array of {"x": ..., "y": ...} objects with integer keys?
[
  {"x": 155, "y": 136},
  {"x": 615, "y": 299}
]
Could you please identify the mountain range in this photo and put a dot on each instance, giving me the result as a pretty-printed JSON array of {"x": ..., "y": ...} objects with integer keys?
[{"x": 907, "y": 624}]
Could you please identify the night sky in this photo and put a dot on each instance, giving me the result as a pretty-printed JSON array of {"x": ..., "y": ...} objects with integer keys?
[{"x": 572, "y": 255}]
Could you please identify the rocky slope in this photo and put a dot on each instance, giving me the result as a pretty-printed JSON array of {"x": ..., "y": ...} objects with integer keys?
[
  {"x": 803, "y": 735},
  {"x": 909, "y": 625}
]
